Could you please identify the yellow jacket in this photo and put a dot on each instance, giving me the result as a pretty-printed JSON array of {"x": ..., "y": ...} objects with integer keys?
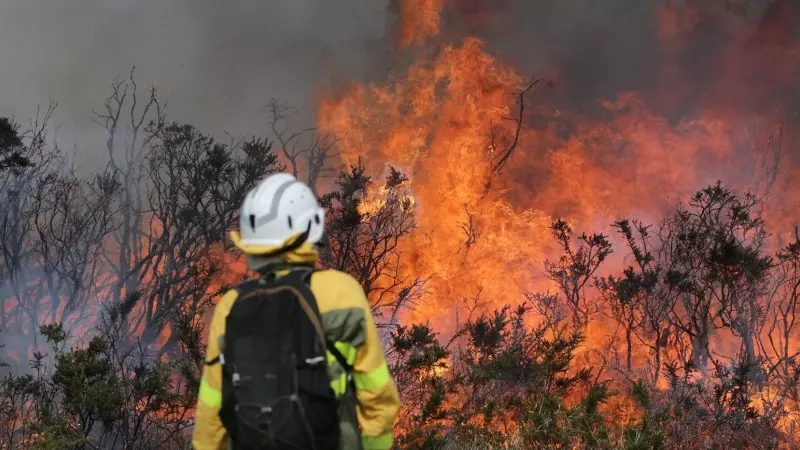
[{"x": 348, "y": 323}]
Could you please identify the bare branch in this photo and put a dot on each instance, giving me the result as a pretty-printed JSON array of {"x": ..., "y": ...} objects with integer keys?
[
  {"x": 305, "y": 149},
  {"x": 501, "y": 157}
]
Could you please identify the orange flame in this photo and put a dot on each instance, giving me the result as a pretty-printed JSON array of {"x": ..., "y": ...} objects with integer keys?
[{"x": 444, "y": 121}]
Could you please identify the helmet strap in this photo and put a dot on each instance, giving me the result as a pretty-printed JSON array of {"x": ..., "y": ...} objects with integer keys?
[{"x": 294, "y": 245}]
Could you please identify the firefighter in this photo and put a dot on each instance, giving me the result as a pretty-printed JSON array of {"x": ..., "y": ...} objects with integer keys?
[{"x": 280, "y": 224}]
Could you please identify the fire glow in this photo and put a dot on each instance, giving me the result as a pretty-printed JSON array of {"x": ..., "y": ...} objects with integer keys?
[
  {"x": 446, "y": 115},
  {"x": 436, "y": 120},
  {"x": 449, "y": 115}
]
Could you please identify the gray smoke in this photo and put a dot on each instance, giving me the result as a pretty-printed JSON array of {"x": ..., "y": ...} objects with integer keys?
[
  {"x": 602, "y": 48},
  {"x": 219, "y": 61}
]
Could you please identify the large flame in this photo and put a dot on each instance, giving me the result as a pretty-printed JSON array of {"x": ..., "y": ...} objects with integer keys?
[
  {"x": 446, "y": 119},
  {"x": 433, "y": 125},
  {"x": 438, "y": 121},
  {"x": 449, "y": 116}
]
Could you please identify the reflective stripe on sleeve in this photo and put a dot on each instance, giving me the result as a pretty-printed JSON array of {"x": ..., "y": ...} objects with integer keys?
[
  {"x": 210, "y": 396},
  {"x": 339, "y": 385},
  {"x": 337, "y": 372},
  {"x": 372, "y": 381},
  {"x": 382, "y": 442}
]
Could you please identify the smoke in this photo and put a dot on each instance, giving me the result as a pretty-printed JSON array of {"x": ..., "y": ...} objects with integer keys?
[
  {"x": 600, "y": 47},
  {"x": 217, "y": 63},
  {"x": 595, "y": 50},
  {"x": 220, "y": 62}
]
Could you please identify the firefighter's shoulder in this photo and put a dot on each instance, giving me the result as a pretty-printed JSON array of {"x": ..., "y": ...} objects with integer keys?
[
  {"x": 226, "y": 301},
  {"x": 336, "y": 290}
]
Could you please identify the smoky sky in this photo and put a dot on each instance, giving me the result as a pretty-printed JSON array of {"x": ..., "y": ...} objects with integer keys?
[
  {"x": 602, "y": 48},
  {"x": 219, "y": 62}
]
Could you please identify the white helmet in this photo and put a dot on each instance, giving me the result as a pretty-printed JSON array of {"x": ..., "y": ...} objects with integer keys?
[{"x": 275, "y": 210}]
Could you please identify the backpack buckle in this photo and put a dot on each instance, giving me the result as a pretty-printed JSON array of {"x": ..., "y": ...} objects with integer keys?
[
  {"x": 313, "y": 362},
  {"x": 236, "y": 379}
]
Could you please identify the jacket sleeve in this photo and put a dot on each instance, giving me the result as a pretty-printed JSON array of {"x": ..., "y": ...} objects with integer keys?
[
  {"x": 376, "y": 392},
  {"x": 209, "y": 434}
]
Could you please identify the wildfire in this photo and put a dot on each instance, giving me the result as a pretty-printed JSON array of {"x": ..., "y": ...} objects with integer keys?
[
  {"x": 450, "y": 115},
  {"x": 438, "y": 118},
  {"x": 376, "y": 198},
  {"x": 446, "y": 117}
]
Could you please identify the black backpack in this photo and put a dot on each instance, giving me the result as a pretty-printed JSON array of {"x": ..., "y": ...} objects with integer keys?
[{"x": 276, "y": 392}]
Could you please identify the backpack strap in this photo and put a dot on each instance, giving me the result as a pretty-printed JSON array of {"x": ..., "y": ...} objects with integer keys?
[
  {"x": 305, "y": 278},
  {"x": 221, "y": 343},
  {"x": 339, "y": 356},
  {"x": 300, "y": 278}
]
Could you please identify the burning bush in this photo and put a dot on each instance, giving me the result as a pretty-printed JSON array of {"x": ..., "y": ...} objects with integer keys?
[
  {"x": 513, "y": 377},
  {"x": 668, "y": 322}
]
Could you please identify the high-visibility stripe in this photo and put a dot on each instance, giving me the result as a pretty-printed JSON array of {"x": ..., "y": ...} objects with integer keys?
[
  {"x": 210, "y": 396},
  {"x": 349, "y": 353},
  {"x": 347, "y": 350},
  {"x": 339, "y": 385},
  {"x": 382, "y": 442},
  {"x": 372, "y": 381},
  {"x": 336, "y": 371}
]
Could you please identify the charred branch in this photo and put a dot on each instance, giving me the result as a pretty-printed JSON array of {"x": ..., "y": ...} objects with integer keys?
[
  {"x": 469, "y": 228},
  {"x": 501, "y": 157}
]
